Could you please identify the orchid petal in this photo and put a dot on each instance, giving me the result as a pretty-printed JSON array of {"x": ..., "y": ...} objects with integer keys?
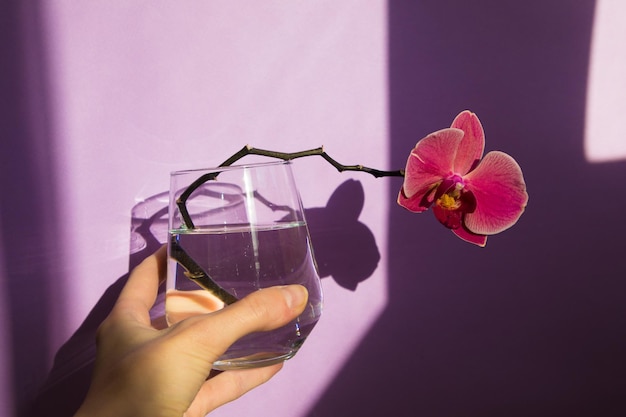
[
  {"x": 466, "y": 235},
  {"x": 430, "y": 162},
  {"x": 473, "y": 144},
  {"x": 416, "y": 205},
  {"x": 500, "y": 191}
]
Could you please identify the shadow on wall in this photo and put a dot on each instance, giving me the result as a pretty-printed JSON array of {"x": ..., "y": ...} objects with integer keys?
[
  {"x": 330, "y": 228},
  {"x": 533, "y": 324},
  {"x": 28, "y": 207}
]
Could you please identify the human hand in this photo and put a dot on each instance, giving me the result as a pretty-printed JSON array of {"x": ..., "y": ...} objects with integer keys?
[{"x": 143, "y": 371}]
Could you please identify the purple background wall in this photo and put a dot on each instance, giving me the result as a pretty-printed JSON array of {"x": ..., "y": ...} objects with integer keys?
[
  {"x": 531, "y": 325},
  {"x": 534, "y": 324}
]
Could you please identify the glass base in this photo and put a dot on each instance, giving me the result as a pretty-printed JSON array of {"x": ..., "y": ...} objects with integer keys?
[{"x": 257, "y": 360}]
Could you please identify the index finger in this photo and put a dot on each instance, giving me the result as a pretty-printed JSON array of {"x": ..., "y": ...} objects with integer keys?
[{"x": 140, "y": 291}]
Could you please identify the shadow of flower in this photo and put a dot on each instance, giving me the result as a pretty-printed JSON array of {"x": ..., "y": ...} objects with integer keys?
[{"x": 344, "y": 247}]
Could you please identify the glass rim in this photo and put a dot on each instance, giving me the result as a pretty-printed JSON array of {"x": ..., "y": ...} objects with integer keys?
[{"x": 229, "y": 167}]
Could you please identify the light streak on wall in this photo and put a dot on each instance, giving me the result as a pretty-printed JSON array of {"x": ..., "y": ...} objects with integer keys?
[{"x": 605, "y": 130}]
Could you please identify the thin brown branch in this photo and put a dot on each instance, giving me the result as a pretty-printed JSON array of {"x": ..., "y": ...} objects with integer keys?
[
  {"x": 193, "y": 270},
  {"x": 288, "y": 156}
]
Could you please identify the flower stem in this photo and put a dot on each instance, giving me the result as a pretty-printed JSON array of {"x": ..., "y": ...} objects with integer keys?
[
  {"x": 196, "y": 273},
  {"x": 288, "y": 156}
]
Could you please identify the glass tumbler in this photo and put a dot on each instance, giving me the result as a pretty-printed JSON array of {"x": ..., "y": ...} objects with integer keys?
[{"x": 232, "y": 231}]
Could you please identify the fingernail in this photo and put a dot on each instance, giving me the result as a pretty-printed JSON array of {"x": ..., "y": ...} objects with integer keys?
[{"x": 295, "y": 295}]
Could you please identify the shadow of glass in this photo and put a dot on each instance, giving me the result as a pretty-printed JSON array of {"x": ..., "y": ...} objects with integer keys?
[{"x": 344, "y": 249}]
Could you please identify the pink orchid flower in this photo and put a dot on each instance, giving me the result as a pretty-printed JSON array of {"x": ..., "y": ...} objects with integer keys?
[{"x": 472, "y": 197}]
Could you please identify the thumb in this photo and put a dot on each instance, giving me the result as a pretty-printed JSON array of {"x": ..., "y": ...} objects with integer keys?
[{"x": 262, "y": 310}]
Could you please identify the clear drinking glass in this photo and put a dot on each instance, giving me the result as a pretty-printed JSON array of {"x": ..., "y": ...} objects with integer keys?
[{"x": 232, "y": 231}]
